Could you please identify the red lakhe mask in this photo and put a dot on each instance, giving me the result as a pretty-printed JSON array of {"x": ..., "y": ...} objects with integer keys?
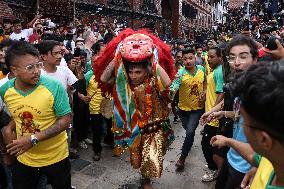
[{"x": 137, "y": 47}]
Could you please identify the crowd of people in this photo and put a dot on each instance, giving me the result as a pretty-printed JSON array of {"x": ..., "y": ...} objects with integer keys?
[{"x": 60, "y": 82}]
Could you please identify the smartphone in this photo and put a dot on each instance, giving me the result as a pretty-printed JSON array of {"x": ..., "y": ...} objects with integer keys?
[
  {"x": 77, "y": 52},
  {"x": 271, "y": 44}
]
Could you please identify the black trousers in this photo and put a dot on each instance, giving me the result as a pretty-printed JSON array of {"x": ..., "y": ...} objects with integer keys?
[
  {"x": 3, "y": 180},
  {"x": 207, "y": 149},
  {"x": 80, "y": 119},
  {"x": 228, "y": 177},
  {"x": 58, "y": 175},
  {"x": 97, "y": 125},
  {"x": 109, "y": 138}
]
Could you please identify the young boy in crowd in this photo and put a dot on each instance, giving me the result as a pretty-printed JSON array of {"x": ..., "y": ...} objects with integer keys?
[
  {"x": 191, "y": 83},
  {"x": 214, "y": 95},
  {"x": 96, "y": 119}
]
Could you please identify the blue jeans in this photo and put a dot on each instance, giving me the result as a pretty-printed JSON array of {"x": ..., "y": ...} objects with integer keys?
[{"x": 189, "y": 120}]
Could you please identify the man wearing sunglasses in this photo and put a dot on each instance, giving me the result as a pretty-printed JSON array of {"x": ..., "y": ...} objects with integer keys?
[
  {"x": 40, "y": 110},
  {"x": 262, "y": 110}
]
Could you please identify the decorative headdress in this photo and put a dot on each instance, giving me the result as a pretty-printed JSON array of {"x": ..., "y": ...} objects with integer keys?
[{"x": 121, "y": 48}]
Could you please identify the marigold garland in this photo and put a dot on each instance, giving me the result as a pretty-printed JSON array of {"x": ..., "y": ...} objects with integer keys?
[{"x": 149, "y": 105}]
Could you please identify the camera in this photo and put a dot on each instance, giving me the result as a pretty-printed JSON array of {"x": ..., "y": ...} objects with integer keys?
[
  {"x": 77, "y": 52},
  {"x": 271, "y": 43}
]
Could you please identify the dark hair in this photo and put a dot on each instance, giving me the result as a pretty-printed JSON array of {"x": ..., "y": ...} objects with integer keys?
[
  {"x": 19, "y": 48},
  {"x": 198, "y": 47},
  {"x": 7, "y": 20},
  {"x": 178, "y": 51},
  {"x": 243, "y": 40},
  {"x": 96, "y": 48},
  {"x": 187, "y": 51},
  {"x": 17, "y": 21},
  {"x": 45, "y": 46},
  {"x": 38, "y": 24},
  {"x": 6, "y": 43},
  {"x": 68, "y": 57},
  {"x": 132, "y": 65},
  {"x": 260, "y": 89},
  {"x": 217, "y": 50},
  {"x": 54, "y": 37}
]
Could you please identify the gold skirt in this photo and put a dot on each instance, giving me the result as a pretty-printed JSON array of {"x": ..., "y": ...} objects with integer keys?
[{"x": 152, "y": 154}]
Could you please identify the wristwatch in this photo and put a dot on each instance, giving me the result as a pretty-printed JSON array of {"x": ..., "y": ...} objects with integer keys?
[{"x": 34, "y": 140}]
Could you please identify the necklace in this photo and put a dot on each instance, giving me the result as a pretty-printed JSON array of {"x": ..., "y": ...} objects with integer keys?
[{"x": 149, "y": 105}]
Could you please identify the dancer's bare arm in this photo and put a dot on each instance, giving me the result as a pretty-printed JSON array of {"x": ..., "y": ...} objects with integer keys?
[{"x": 108, "y": 74}]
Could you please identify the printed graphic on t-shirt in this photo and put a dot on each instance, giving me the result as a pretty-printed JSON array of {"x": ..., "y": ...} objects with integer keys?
[
  {"x": 28, "y": 125},
  {"x": 236, "y": 108}
]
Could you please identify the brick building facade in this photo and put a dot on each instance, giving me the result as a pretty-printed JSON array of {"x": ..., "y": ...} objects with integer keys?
[
  {"x": 5, "y": 11},
  {"x": 23, "y": 9},
  {"x": 165, "y": 15}
]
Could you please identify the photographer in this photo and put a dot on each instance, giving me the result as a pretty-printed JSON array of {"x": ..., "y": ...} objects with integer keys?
[
  {"x": 22, "y": 34},
  {"x": 35, "y": 38}
]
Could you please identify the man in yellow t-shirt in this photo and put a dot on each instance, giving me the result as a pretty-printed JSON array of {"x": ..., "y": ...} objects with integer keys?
[
  {"x": 40, "y": 109},
  {"x": 191, "y": 83},
  {"x": 214, "y": 95}
]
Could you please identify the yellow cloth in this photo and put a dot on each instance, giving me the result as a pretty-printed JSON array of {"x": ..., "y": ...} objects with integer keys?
[
  {"x": 96, "y": 96},
  {"x": 2, "y": 38},
  {"x": 36, "y": 111},
  {"x": 191, "y": 89},
  {"x": 1, "y": 75},
  {"x": 263, "y": 174},
  {"x": 206, "y": 65},
  {"x": 214, "y": 85}
]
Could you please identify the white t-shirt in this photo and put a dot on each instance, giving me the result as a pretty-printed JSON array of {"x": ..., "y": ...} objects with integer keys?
[
  {"x": 4, "y": 80},
  {"x": 2, "y": 104},
  {"x": 25, "y": 33},
  {"x": 63, "y": 62},
  {"x": 64, "y": 75}
]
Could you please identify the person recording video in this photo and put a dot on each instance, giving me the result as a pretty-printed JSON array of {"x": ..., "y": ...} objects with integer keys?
[{"x": 35, "y": 38}]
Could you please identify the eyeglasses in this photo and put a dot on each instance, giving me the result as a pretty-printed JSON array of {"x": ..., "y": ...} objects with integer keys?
[
  {"x": 274, "y": 134},
  {"x": 242, "y": 58},
  {"x": 32, "y": 67}
]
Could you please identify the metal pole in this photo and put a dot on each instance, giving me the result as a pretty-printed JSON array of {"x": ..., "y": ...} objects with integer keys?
[
  {"x": 74, "y": 10},
  {"x": 248, "y": 10},
  {"x": 132, "y": 17},
  {"x": 37, "y": 7}
]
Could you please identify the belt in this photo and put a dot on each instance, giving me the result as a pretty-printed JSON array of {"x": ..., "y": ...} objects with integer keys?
[{"x": 152, "y": 127}]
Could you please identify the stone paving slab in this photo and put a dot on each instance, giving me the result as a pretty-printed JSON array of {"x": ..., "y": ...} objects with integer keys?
[{"x": 116, "y": 173}]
